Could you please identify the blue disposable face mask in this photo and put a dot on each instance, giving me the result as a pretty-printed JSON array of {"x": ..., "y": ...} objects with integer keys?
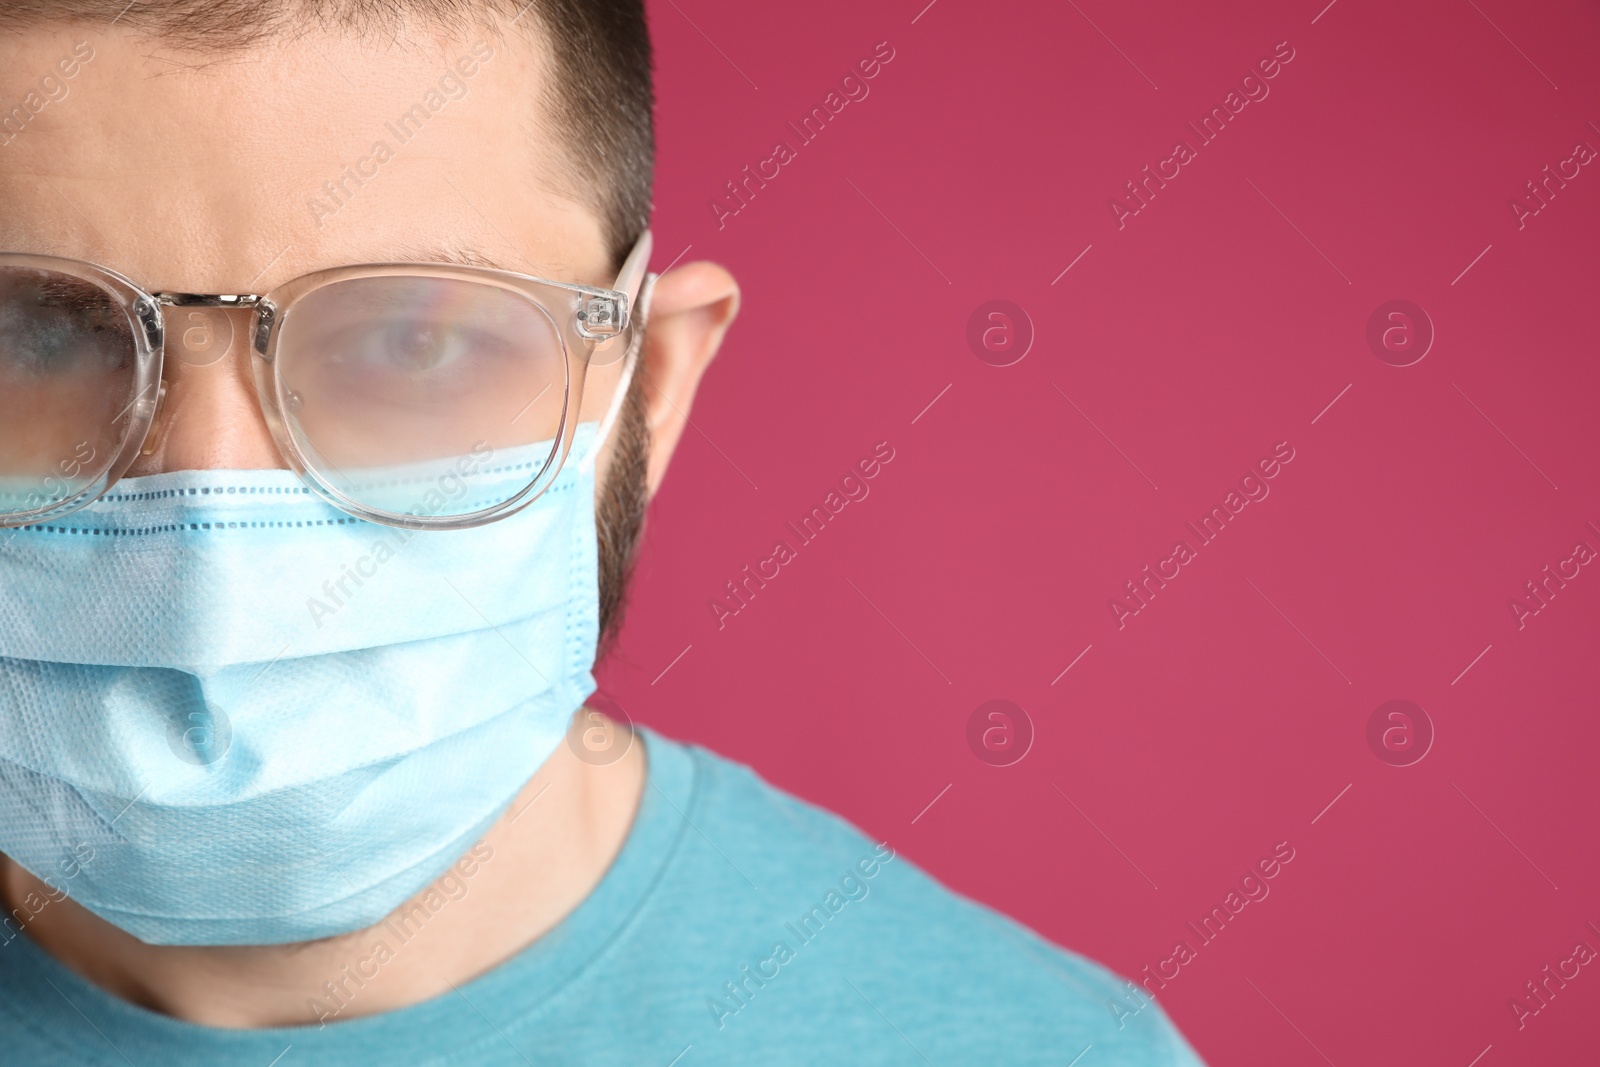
[{"x": 231, "y": 714}]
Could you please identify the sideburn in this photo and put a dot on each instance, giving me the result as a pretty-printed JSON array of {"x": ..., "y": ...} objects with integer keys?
[{"x": 619, "y": 515}]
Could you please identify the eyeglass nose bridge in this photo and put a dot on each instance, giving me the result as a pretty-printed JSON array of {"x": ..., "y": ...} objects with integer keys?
[
  {"x": 266, "y": 312},
  {"x": 208, "y": 300}
]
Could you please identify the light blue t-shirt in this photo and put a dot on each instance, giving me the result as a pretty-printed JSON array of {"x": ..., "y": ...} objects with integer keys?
[{"x": 738, "y": 925}]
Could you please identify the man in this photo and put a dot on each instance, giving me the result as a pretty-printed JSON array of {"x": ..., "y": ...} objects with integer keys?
[{"x": 315, "y": 503}]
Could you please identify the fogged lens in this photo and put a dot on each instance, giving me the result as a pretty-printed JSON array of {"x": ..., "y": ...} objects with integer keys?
[
  {"x": 428, "y": 396},
  {"x": 68, "y": 375}
]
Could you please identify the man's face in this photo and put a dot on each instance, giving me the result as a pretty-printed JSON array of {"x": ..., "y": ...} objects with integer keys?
[{"x": 233, "y": 172}]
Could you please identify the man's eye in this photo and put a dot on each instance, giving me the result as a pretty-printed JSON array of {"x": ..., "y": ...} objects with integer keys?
[
  {"x": 44, "y": 340},
  {"x": 416, "y": 347}
]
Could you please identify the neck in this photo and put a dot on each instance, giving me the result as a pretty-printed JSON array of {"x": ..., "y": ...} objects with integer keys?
[{"x": 545, "y": 855}]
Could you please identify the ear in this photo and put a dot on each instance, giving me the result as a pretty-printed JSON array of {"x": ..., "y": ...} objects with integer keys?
[{"x": 690, "y": 311}]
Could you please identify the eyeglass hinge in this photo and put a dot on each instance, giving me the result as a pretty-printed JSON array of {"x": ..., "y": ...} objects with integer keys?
[
  {"x": 602, "y": 317},
  {"x": 149, "y": 315}
]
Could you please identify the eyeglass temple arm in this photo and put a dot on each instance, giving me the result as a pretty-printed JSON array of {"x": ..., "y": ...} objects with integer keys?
[{"x": 630, "y": 279}]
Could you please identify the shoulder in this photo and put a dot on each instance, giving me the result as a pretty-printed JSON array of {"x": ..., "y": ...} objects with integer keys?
[{"x": 944, "y": 972}]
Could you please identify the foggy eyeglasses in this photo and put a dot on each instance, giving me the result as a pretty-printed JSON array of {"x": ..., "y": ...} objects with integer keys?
[{"x": 376, "y": 381}]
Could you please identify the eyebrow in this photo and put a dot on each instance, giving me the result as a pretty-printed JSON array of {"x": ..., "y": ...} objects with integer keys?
[
  {"x": 469, "y": 256},
  {"x": 460, "y": 257}
]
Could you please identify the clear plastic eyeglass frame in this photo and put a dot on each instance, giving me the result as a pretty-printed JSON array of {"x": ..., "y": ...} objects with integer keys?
[{"x": 595, "y": 326}]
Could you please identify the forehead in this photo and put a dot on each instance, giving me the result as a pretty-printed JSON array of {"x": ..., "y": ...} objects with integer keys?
[{"x": 237, "y": 170}]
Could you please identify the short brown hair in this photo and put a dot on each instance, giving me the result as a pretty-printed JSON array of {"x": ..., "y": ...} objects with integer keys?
[{"x": 602, "y": 98}]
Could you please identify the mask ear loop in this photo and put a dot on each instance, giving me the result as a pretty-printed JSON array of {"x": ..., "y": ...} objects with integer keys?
[{"x": 641, "y": 319}]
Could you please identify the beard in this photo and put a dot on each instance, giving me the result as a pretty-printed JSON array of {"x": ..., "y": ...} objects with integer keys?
[{"x": 620, "y": 511}]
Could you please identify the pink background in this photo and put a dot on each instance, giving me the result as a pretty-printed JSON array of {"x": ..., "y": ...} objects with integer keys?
[{"x": 1222, "y": 319}]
